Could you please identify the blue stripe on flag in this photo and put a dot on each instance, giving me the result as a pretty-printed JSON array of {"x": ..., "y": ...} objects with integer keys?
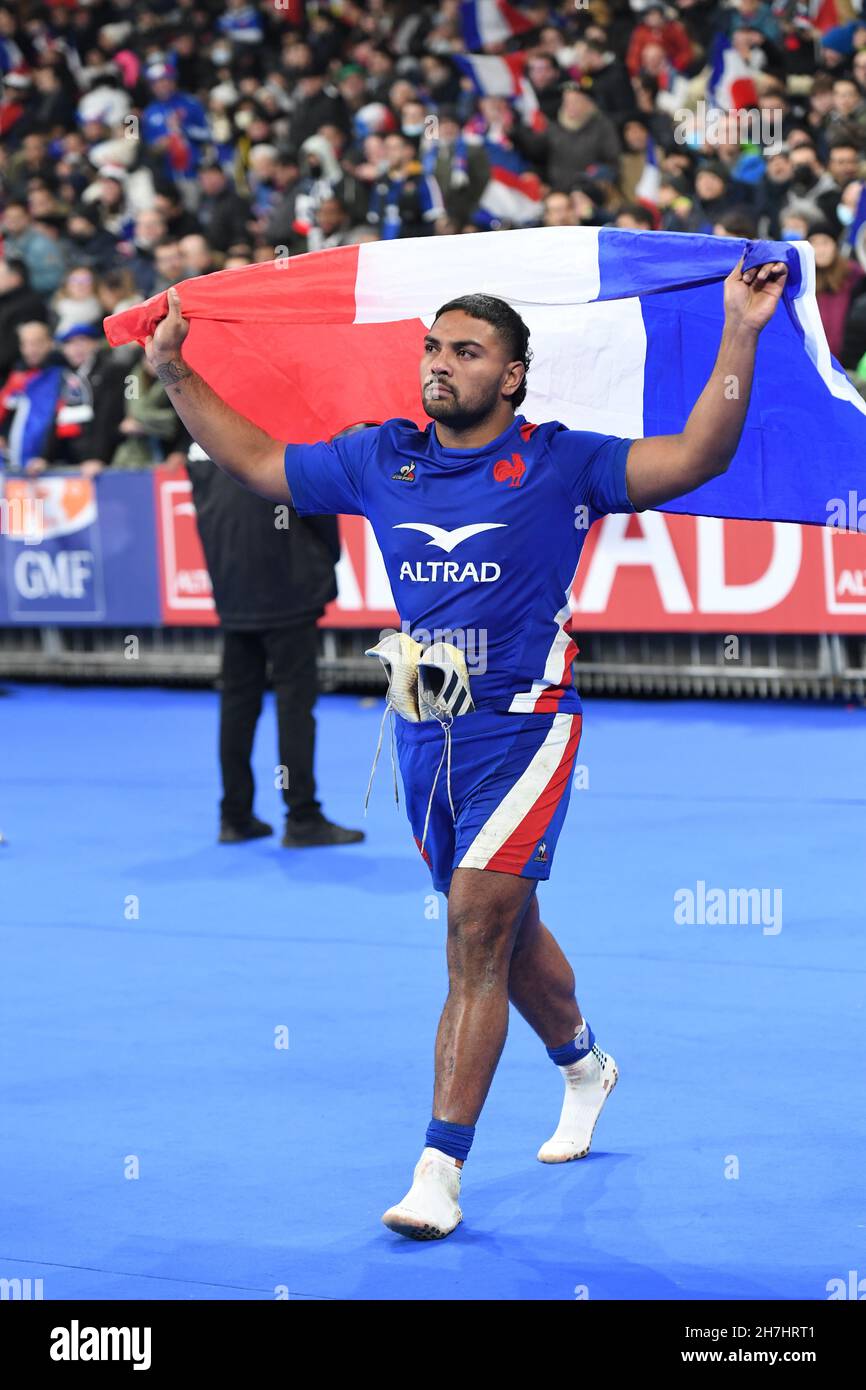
[
  {"x": 801, "y": 446},
  {"x": 469, "y": 21}
]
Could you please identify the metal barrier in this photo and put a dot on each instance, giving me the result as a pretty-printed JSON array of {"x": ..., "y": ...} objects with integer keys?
[{"x": 665, "y": 664}]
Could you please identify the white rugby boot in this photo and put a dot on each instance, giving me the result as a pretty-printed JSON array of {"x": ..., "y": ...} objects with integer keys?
[
  {"x": 588, "y": 1083},
  {"x": 430, "y": 1209}
]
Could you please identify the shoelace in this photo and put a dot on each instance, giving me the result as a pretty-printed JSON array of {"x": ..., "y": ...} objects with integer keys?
[
  {"x": 446, "y": 753},
  {"x": 446, "y": 728},
  {"x": 389, "y": 709}
]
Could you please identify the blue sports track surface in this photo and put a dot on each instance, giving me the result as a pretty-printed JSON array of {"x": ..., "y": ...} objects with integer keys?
[{"x": 157, "y": 1144}]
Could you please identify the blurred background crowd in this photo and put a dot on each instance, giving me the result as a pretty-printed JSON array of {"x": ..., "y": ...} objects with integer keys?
[{"x": 146, "y": 141}]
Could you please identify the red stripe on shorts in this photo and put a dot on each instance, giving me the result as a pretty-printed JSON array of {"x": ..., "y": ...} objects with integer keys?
[{"x": 514, "y": 852}]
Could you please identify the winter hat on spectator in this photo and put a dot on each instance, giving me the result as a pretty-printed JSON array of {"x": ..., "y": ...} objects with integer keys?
[
  {"x": 79, "y": 330},
  {"x": 159, "y": 68},
  {"x": 841, "y": 38},
  {"x": 819, "y": 226}
]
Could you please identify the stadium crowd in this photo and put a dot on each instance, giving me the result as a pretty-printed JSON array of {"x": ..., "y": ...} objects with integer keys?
[{"x": 146, "y": 141}]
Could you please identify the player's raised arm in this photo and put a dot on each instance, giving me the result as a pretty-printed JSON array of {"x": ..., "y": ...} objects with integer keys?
[
  {"x": 668, "y": 465},
  {"x": 235, "y": 444}
]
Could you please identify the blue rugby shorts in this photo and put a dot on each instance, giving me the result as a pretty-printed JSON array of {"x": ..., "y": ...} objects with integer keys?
[{"x": 511, "y": 778}]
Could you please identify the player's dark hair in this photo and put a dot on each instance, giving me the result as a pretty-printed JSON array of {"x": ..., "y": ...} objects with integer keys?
[{"x": 508, "y": 324}]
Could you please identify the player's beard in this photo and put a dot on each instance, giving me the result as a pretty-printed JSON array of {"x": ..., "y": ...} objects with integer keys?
[{"x": 458, "y": 413}]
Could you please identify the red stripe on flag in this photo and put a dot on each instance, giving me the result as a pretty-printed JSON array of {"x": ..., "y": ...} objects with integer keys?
[
  {"x": 527, "y": 183},
  {"x": 743, "y": 93},
  {"x": 518, "y": 22},
  {"x": 517, "y": 64},
  {"x": 513, "y": 854},
  {"x": 280, "y": 345}
]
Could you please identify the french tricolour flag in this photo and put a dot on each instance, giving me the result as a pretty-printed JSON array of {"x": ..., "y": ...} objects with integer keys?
[
  {"x": 503, "y": 77},
  {"x": 731, "y": 85},
  {"x": 650, "y": 181},
  {"x": 487, "y": 22},
  {"x": 513, "y": 193},
  {"x": 624, "y": 325}
]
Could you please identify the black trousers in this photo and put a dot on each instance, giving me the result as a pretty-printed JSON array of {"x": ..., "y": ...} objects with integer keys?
[{"x": 290, "y": 653}]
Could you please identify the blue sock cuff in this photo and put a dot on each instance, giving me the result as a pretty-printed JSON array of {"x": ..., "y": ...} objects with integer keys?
[
  {"x": 572, "y": 1051},
  {"x": 455, "y": 1140}
]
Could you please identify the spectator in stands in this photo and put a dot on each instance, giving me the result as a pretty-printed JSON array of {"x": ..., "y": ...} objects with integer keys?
[
  {"x": 222, "y": 213},
  {"x": 90, "y": 245},
  {"x": 168, "y": 264},
  {"x": 606, "y": 79},
  {"x": 558, "y": 211},
  {"x": 461, "y": 167},
  {"x": 659, "y": 27},
  {"x": 42, "y": 254},
  {"x": 76, "y": 301},
  {"x": 405, "y": 201},
  {"x": 197, "y": 255},
  {"x": 835, "y": 281},
  {"x": 18, "y": 304},
  {"x": 150, "y": 229},
  {"x": 150, "y": 429},
  {"x": 173, "y": 125},
  {"x": 580, "y": 136}
]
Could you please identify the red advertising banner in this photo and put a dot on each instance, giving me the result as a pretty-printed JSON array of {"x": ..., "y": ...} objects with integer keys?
[
  {"x": 652, "y": 573},
  {"x": 184, "y": 582}
]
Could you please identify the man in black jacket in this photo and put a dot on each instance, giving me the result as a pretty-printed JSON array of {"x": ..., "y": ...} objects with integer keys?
[
  {"x": 18, "y": 304},
  {"x": 272, "y": 574}
]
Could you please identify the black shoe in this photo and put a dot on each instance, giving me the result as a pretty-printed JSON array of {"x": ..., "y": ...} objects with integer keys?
[
  {"x": 253, "y": 829},
  {"x": 301, "y": 834}
]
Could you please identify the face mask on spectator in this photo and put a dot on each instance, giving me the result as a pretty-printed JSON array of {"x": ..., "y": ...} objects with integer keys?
[
  {"x": 844, "y": 214},
  {"x": 221, "y": 54},
  {"x": 803, "y": 176},
  {"x": 415, "y": 128}
]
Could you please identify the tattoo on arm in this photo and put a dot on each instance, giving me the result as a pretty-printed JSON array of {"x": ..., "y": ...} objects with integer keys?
[{"x": 170, "y": 373}]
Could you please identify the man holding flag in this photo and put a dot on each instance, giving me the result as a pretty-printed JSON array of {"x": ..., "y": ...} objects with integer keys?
[{"x": 481, "y": 519}]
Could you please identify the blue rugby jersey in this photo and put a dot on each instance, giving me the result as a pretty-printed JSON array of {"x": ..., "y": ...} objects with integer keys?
[{"x": 482, "y": 543}]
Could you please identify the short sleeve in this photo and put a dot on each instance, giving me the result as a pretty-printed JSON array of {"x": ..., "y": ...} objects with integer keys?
[
  {"x": 592, "y": 467},
  {"x": 327, "y": 478}
]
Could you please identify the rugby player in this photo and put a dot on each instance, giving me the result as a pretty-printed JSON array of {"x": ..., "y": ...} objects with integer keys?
[{"x": 481, "y": 518}]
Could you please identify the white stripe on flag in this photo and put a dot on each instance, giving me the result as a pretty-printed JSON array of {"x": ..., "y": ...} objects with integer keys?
[
  {"x": 492, "y": 24},
  {"x": 517, "y": 803},
  {"x": 588, "y": 368},
  {"x": 407, "y": 279},
  {"x": 806, "y": 307}
]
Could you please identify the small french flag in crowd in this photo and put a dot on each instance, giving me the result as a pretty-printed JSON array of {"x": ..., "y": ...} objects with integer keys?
[
  {"x": 513, "y": 192},
  {"x": 731, "y": 86},
  {"x": 503, "y": 77},
  {"x": 491, "y": 21},
  {"x": 650, "y": 181}
]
